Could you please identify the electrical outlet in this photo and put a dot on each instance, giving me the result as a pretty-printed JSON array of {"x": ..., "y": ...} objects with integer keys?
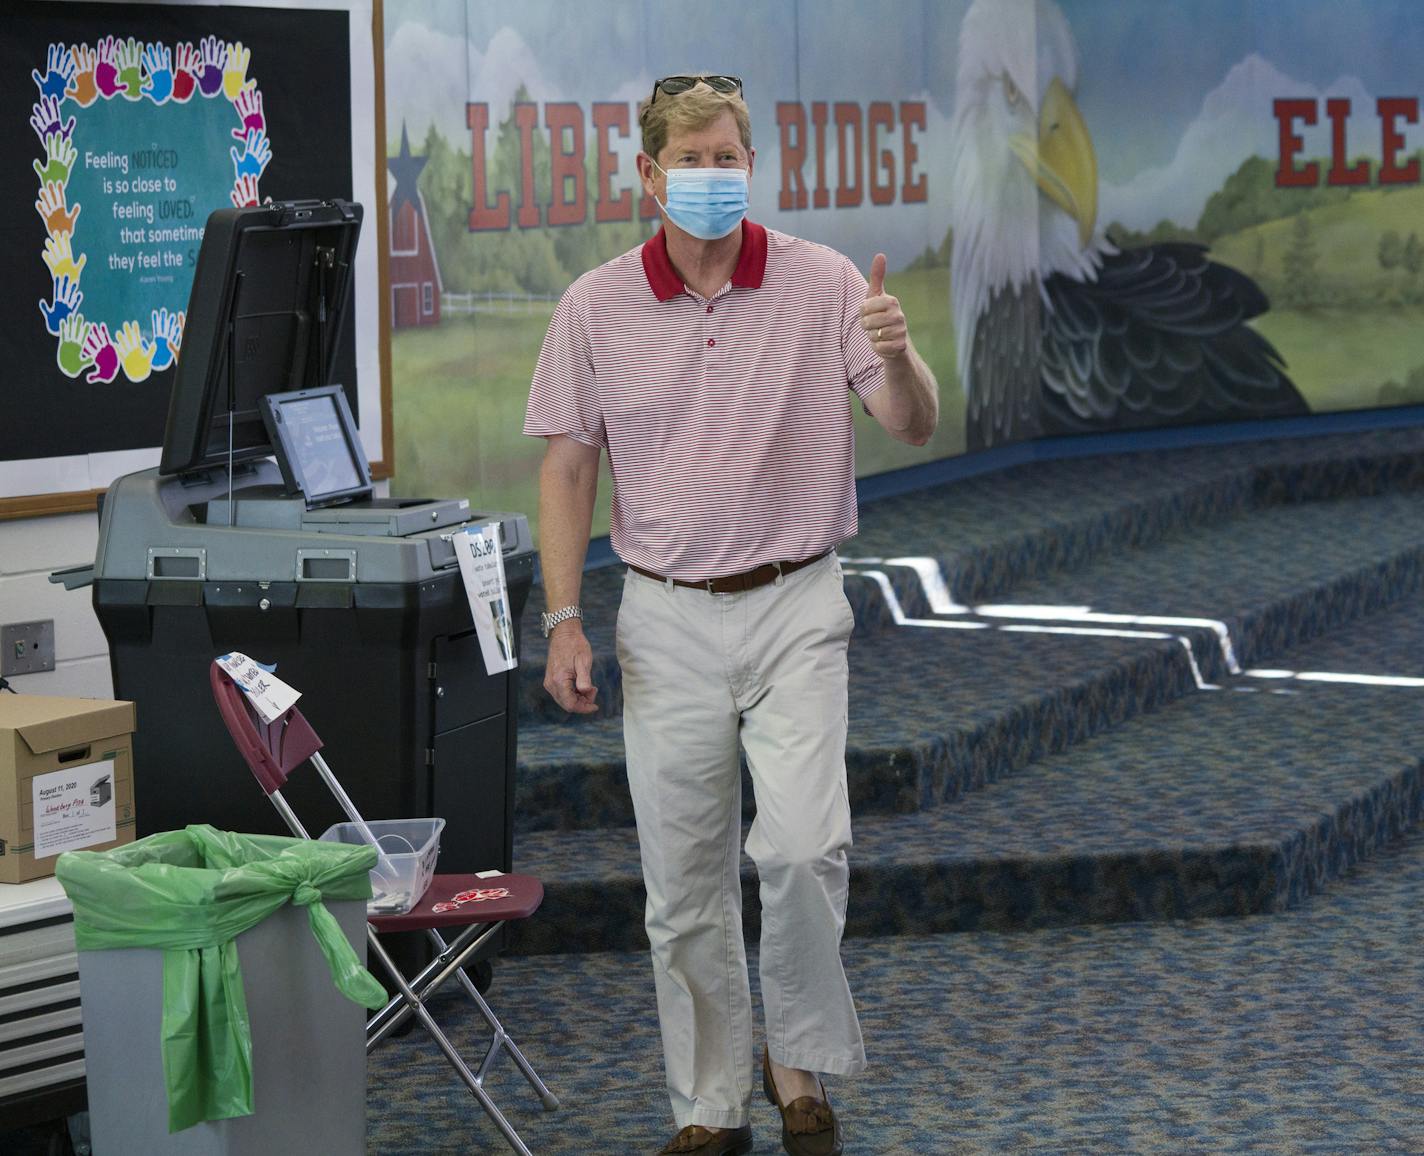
[{"x": 26, "y": 647}]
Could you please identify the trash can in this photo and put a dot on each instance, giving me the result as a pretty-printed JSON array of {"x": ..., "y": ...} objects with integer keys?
[{"x": 217, "y": 973}]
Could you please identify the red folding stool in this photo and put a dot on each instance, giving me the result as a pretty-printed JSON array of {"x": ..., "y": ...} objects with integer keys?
[{"x": 272, "y": 751}]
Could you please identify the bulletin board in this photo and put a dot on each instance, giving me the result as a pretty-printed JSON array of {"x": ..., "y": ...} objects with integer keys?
[{"x": 123, "y": 128}]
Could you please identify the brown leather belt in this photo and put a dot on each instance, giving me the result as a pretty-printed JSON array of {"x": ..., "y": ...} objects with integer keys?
[{"x": 736, "y": 583}]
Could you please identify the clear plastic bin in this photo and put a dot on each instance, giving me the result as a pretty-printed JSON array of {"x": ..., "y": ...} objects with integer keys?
[{"x": 408, "y": 849}]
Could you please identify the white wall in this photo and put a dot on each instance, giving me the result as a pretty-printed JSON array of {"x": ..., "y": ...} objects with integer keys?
[{"x": 29, "y": 550}]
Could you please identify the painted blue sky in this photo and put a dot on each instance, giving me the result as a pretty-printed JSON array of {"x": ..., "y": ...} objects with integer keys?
[
  {"x": 1163, "y": 58},
  {"x": 591, "y": 46}
]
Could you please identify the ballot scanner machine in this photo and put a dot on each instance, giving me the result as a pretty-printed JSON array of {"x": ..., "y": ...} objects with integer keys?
[{"x": 358, "y": 601}]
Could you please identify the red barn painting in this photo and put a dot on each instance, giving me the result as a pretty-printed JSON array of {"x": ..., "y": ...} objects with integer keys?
[{"x": 414, "y": 270}]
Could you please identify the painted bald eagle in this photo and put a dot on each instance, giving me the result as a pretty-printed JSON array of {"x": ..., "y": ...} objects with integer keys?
[{"x": 1059, "y": 331}]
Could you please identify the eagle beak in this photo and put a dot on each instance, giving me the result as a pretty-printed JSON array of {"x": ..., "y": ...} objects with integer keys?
[{"x": 1067, "y": 168}]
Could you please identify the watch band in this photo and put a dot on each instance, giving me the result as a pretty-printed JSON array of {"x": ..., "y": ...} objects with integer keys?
[{"x": 547, "y": 622}]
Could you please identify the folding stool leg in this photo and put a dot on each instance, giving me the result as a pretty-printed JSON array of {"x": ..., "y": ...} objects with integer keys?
[
  {"x": 394, "y": 1013},
  {"x": 502, "y": 1039},
  {"x": 417, "y": 1008}
]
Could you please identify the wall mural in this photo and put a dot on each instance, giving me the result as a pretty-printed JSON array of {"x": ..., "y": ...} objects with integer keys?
[{"x": 1098, "y": 217}]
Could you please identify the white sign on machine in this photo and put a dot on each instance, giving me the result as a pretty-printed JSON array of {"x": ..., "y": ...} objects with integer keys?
[{"x": 482, "y": 568}]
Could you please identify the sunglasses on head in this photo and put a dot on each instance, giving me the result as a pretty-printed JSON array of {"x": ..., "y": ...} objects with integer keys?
[{"x": 672, "y": 85}]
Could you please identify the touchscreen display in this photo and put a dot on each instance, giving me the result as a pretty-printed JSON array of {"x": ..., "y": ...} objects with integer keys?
[{"x": 316, "y": 440}]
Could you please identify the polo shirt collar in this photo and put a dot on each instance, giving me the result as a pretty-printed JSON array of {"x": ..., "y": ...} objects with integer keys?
[{"x": 666, "y": 284}]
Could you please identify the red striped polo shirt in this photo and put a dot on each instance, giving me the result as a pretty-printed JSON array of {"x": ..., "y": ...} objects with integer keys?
[{"x": 726, "y": 419}]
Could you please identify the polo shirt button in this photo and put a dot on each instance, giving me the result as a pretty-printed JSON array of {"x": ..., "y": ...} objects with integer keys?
[
  {"x": 710, "y": 343},
  {"x": 709, "y": 309}
]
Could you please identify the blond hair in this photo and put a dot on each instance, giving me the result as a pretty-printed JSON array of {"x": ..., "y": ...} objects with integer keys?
[{"x": 690, "y": 111}]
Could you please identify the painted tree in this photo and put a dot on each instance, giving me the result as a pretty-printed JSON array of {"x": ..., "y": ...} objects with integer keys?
[
  {"x": 1250, "y": 196},
  {"x": 1391, "y": 249},
  {"x": 1299, "y": 262},
  {"x": 1413, "y": 256}
]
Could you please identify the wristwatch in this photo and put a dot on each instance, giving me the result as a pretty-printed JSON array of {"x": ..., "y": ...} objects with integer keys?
[{"x": 547, "y": 622}]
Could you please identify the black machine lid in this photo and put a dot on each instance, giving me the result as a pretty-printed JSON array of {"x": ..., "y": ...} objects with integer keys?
[{"x": 270, "y": 296}]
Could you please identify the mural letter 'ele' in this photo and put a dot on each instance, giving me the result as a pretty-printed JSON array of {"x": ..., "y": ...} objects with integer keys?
[{"x": 1058, "y": 331}]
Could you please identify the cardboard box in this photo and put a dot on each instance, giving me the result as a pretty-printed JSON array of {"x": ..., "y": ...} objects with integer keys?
[{"x": 66, "y": 780}]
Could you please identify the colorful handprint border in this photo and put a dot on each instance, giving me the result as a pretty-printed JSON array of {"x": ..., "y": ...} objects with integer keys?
[{"x": 135, "y": 70}]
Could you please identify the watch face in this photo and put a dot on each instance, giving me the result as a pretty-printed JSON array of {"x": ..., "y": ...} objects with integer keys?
[{"x": 548, "y": 621}]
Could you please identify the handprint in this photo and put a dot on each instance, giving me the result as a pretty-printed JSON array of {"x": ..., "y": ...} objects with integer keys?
[
  {"x": 244, "y": 192},
  {"x": 46, "y": 119},
  {"x": 82, "y": 89},
  {"x": 70, "y": 354},
  {"x": 59, "y": 256},
  {"x": 158, "y": 63},
  {"x": 210, "y": 79},
  {"x": 99, "y": 349},
  {"x": 167, "y": 336},
  {"x": 256, "y": 153},
  {"x": 59, "y": 159},
  {"x": 59, "y": 70},
  {"x": 67, "y": 298},
  {"x": 106, "y": 75},
  {"x": 52, "y": 209},
  {"x": 128, "y": 55},
  {"x": 135, "y": 353},
  {"x": 248, "y": 105},
  {"x": 185, "y": 79},
  {"x": 235, "y": 74}
]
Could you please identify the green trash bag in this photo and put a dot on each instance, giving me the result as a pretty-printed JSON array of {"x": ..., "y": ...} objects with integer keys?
[{"x": 190, "y": 893}]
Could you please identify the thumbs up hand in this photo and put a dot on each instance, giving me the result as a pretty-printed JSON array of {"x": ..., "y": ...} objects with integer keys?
[{"x": 882, "y": 317}]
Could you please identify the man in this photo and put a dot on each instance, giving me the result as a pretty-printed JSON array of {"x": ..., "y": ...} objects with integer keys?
[{"x": 712, "y": 363}]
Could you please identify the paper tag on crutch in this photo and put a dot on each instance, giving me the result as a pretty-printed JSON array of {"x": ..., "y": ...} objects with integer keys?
[
  {"x": 482, "y": 568},
  {"x": 269, "y": 695}
]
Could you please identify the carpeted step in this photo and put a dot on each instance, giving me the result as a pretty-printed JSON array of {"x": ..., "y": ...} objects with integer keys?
[
  {"x": 991, "y": 533},
  {"x": 937, "y": 711},
  {"x": 1227, "y": 802},
  {"x": 1269, "y": 577},
  {"x": 933, "y": 713}
]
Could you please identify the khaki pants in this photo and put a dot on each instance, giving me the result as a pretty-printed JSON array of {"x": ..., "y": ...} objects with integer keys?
[{"x": 702, "y": 672}]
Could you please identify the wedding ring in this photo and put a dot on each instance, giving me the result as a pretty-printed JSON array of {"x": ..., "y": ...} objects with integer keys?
[{"x": 878, "y": 332}]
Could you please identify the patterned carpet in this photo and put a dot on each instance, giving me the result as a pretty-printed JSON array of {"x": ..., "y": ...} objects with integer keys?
[
  {"x": 1292, "y": 1033},
  {"x": 1136, "y": 806},
  {"x": 1247, "y": 572},
  {"x": 1117, "y": 886},
  {"x": 1242, "y": 799}
]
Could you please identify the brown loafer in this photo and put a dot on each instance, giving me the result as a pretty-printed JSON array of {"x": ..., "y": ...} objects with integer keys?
[
  {"x": 699, "y": 1141},
  {"x": 808, "y": 1126}
]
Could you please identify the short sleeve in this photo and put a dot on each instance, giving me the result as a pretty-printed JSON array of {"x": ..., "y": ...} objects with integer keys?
[
  {"x": 865, "y": 372},
  {"x": 563, "y": 397}
]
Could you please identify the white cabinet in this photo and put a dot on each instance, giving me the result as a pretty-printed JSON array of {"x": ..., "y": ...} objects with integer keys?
[{"x": 41, "y": 1036}]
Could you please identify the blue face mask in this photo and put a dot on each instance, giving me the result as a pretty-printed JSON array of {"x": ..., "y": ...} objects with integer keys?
[{"x": 705, "y": 203}]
